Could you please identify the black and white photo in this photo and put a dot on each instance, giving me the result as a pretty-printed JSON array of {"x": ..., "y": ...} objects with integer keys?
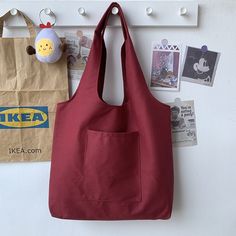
[
  {"x": 183, "y": 123},
  {"x": 200, "y": 65}
]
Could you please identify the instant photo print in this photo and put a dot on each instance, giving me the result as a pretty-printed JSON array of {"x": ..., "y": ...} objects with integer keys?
[
  {"x": 200, "y": 65},
  {"x": 165, "y": 67}
]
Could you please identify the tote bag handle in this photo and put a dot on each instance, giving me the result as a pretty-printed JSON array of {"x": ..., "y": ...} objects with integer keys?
[
  {"x": 100, "y": 29},
  {"x": 28, "y": 21}
]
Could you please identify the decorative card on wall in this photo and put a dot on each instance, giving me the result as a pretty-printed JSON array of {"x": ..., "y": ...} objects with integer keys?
[
  {"x": 183, "y": 123},
  {"x": 165, "y": 68},
  {"x": 200, "y": 65},
  {"x": 78, "y": 48}
]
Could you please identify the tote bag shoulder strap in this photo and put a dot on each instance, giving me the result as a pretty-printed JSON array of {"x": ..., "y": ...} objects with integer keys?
[
  {"x": 28, "y": 21},
  {"x": 100, "y": 29},
  {"x": 93, "y": 77}
]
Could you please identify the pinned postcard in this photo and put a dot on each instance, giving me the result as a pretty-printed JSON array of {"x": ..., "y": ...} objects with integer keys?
[
  {"x": 200, "y": 65},
  {"x": 165, "y": 68},
  {"x": 183, "y": 123},
  {"x": 78, "y": 48}
]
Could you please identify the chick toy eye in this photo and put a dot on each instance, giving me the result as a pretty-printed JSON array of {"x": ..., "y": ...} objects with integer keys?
[
  {"x": 41, "y": 46},
  {"x": 46, "y": 44}
]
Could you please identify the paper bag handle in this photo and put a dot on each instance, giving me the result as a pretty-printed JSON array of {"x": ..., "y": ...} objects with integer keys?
[{"x": 28, "y": 21}]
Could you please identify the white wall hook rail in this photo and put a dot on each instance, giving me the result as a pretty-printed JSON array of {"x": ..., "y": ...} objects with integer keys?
[
  {"x": 183, "y": 11},
  {"x": 48, "y": 11},
  {"x": 13, "y": 11},
  {"x": 82, "y": 11},
  {"x": 148, "y": 11},
  {"x": 114, "y": 10},
  {"x": 160, "y": 13}
]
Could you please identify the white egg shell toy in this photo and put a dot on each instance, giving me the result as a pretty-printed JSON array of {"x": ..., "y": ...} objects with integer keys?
[{"x": 48, "y": 46}]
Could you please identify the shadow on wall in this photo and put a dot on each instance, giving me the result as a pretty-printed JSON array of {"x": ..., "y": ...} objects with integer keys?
[{"x": 177, "y": 204}]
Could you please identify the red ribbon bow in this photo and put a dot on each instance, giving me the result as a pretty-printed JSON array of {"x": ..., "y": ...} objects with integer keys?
[{"x": 48, "y": 25}]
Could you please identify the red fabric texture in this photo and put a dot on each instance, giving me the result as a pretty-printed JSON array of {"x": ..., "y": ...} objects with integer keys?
[{"x": 111, "y": 162}]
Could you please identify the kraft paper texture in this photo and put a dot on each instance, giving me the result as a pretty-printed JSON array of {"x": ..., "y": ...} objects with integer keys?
[{"x": 28, "y": 91}]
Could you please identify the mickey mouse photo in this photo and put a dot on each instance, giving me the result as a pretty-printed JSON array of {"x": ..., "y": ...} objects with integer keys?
[{"x": 200, "y": 65}]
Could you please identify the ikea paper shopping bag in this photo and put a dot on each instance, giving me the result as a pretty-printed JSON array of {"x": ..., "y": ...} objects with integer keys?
[{"x": 29, "y": 92}]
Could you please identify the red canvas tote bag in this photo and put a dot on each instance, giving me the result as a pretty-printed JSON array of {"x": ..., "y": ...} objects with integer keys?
[{"x": 111, "y": 162}]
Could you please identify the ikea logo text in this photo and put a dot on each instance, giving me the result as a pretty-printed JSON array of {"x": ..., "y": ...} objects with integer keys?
[{"x": 24, "y": 117}]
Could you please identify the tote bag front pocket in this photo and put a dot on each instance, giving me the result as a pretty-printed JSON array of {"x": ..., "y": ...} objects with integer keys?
[{"x": 112, "y": 166}]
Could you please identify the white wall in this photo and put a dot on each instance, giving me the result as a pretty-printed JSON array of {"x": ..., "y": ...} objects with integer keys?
[{"x": 205, "y": 175}]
